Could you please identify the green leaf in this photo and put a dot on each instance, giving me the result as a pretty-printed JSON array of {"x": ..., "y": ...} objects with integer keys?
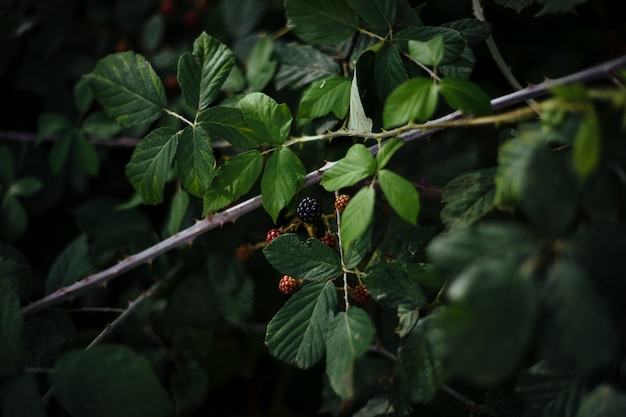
[
  {"x": 558, "y": 6},
  {"x": 15, "y": 271},
  {"x": 470, "y": 29},
  {"x": 302, "y": 64},
  {"x": 603, "y": 401},
  {"x": 516, "y": 5},
  {"x": 86, "y": 381},
  {"x": 25, "y": 187},
  {"x": 358, "y": 164},
  {"x": 189, "y": 387},
  {"x": 388, "y": 149},
  {"x": 391, "y": 285},
  {"x": 20, "y": 397},
  {"x": 330, "y": 94},
  {"x": 59, "y": 152},
  {"x": 321, "y": 21},
  {"x": 453, "y": 43},
  {"x": 49, "y": 123},
  {"x": 587, "y": 145},
  {"x": 380, "y": 15},
  {"x": 85, "y": 154},
  {"x": 419, "y": 371},
  {"x": 260, "y": 68},
  {"x": 357, "y": 216},
  {"x": 357, "y": 119},
  {"x": 465, "y": 96},
  {"x": 46, "y": 335},
  {"x": 228, "y": 124},
  {"x": 415, "y": 99},
  {"x": 489, "y": 322},
  {"x": 389, "y": 70},
  {"x": 349, "y": 337},
  {"x": 234, "y": 179},
  {"x": 429, "y": 52},
  {"x": 195, "y": 162},
  {"x": 577, "y": 318},
  {"x": 357, "y": 250},
  {"x": 231, "y": 288},
  {"x": 152, "y": 158},
  {"x": 13, "y": 218},
  {"x": 401, "y": 195},
  {"x": 12, "y": 351},
  {"x": 128, "y": 88},
  {"x": 310, "y": 260},
  {"x": 454, "y": 251},
  {"x": 284, "y": 173},
  {"x": 71, "y": 265},
  {"x": 266, "y": 118},
  {"x": 297, "y": 334},
  {"x": 83, "y": 96},
  {"x": 468, "y": 198},
  {"x": 514, "y": 159},
  {"x": 153, "y": 31},
  {"x": 100, "y": 125},
  {"x": 7, "y": 168},
  {"x": 178, "y": 209},
  {"x": 202, "y": 72},
  {"x": 546, "y": 392}
]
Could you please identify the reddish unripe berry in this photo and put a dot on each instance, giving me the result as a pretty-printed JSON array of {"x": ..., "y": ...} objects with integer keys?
[
  {"x": 167, "y": 7},
  {"x": 329, "y": 240},
  {"x": 171, "y": 83},
  {"x": 244, "y": 252},
  {"x": 191, "y": 18},
  {"x": 272, "y": 234},
  {"x": 341, "y": 202},
  {"x": 360, "y": 295},
  {"x": 288, "y": 285}
]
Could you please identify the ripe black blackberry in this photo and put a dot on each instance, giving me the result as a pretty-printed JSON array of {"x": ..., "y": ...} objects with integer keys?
[{"x": 309, "y": 210}]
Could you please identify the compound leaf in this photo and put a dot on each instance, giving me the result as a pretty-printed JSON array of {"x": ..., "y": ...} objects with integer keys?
[
  {"x": 465, "y": 96},
  {"x": 415, "y": 99},
  {"x": 268, "y": 119},
  {"x": 468, "y": 198},
  {"x": 228, "y": 123},
  {"x": 71, "y": 265},
  {"x": 330, "y": 94},
  {"x": 380, "y": 15}
]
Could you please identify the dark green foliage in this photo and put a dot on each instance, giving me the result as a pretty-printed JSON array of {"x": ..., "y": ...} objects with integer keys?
[{"x": 476, "y": 268}]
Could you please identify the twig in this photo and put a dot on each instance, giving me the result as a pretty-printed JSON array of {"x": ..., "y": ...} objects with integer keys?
[{"x": 231, "y": 214}]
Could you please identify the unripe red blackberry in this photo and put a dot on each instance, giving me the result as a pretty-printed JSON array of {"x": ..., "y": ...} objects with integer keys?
[
  {"x": 329, "y": 240},
  {"x": 341, "y": 202},
  {"x": 288, "y": 285},
  {"x": 309, "y": 210},
  {"x": 360, "y": 295},
  {"x": 272, "y": 234}
]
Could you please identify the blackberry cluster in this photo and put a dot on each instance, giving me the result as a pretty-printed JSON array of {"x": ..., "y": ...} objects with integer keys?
[
  {"x": 288, "y": 285},
  {"x": 309, "y": 210},
  {"x": 272, "y": 234},
  {"x": 360, "y": 295},
  {"x": 341, "y": 202}
]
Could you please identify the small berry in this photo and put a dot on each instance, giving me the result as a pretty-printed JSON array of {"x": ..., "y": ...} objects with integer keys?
[
  {"x": 288, "y": 285},
  {"x": 166, "y": 7},
  {"x": 329, "y": 240},
  {"x": 272, "y": 234},
  {"x": 244, "y": 252},
  {"x": 360, "y": 294},
  {"x": 191, "y": 18},
  {"x": 171, "y": 83},
  {"x": 309, "y": 210},
  {"x": 341, "y": 202}
]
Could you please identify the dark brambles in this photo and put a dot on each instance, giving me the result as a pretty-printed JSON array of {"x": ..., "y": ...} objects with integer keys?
[{"x": 309, "y": 210}]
